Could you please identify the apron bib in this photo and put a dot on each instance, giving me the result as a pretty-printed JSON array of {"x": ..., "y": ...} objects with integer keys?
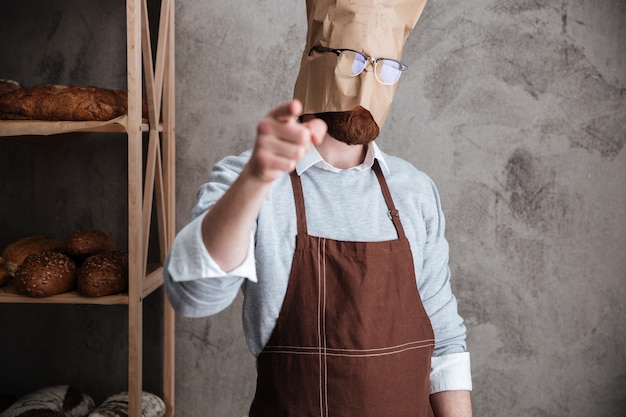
[{"x": 352, "y": 338}]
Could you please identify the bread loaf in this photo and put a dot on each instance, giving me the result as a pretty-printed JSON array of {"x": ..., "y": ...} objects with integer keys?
[
  {"x": 44, "y": 274},
  {"x": 117, "y": 406},
  {"x": 6, "y": 86},
  {"x": 85, "y": 243},
  {"x": 103, "y": 274},
  {"x": 55, "y": 401},
  {"x": 16, "y": 252},
  {"x": 63, "y": 102}
]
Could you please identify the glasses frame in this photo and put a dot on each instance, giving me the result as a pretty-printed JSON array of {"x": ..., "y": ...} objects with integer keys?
[{"x": 374, "y": 61}]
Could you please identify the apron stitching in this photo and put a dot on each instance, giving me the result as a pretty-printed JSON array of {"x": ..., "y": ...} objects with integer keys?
[
  {"x": 336, "y": 352},
  {"x": 321, "y": 308},
  {"x": 319, "y": 332},
  {"x": 324, "y": 329},
  {"x": 388, "y": 348}
]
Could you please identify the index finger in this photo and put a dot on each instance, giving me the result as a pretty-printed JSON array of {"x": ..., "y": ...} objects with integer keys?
[{"x": 287, "y": 111}]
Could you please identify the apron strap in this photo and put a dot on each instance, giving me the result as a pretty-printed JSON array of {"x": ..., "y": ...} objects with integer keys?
[
  {"x": 394, "y": 215},
  {"x": 299, "y": 198}
]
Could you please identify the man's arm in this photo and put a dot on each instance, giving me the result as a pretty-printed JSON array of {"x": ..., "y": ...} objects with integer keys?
[
  {"x": 451, "y": 404},
  {"x": 281, "y": 142}
]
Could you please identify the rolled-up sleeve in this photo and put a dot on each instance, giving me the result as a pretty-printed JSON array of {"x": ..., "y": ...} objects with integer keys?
[
  {"x": 195, "y": 284},
  {"x": 451, "y": 373}
]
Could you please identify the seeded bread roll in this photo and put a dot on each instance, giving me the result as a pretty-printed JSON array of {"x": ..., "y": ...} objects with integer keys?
[
  {"x": 44, "y": 274},
  {"x": 85, "y": 243},
  {"x": 103, "y": 274},
  {"x": 16, "y": 252},
  {"x": 55, "y": 401},
  {"x": 117, "y": 406}
]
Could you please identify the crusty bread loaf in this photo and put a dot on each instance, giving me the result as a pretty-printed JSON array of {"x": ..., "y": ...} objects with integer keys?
[
  {"x": 55, "y": 401},
  {"x": 6, "y": 86},
  {"x": 85, "y": 243},
  {"x": 63, "y": 102},
  {"x": 44, "y": 274},
  {"x": 117, "y": 406},
  {"x": 16, "y": 252},
  {"x": 103, "y": 274}
]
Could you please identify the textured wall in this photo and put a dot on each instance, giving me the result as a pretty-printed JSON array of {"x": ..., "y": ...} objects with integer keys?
[{"x": 517, "y": 110}]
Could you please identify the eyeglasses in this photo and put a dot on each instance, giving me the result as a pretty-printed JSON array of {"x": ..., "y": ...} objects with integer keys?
[{"x": 352, "y": 63}]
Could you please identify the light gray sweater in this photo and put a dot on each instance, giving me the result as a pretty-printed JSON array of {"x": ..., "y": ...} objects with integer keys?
[{"x": 341, "y": 205}]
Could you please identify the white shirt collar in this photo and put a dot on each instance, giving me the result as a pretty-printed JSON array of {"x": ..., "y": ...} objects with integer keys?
[{"x": 313, "y": 158}]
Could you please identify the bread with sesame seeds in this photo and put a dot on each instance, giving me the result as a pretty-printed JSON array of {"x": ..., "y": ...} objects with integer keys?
[
  {"x": 44, "y": 274},
  {"x": 84, "y": 243},
  {"x": 103, "y": 274}
]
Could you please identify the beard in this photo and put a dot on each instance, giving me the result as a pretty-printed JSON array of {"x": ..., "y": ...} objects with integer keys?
[{"x": 354, "y": 127}]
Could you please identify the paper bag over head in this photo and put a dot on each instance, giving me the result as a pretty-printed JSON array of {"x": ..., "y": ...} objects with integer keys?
[{"x": 377, "y": 28}]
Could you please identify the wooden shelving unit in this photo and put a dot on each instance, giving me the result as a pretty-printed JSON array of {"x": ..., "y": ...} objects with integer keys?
[{"x": 158, "y": 185}]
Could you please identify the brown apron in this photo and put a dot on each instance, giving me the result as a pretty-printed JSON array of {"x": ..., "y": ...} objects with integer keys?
[{"x": 352, "y": 338}]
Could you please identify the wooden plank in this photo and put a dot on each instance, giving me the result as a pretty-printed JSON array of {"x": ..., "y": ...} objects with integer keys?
[
  {"x": 9, "y": 295},
  {"x": 146, "y": 47},
  {"x": 162, "y": 44},
  {"x": 169, "y": 130},
  {"x": 169, "y": 343},
  {"x": 148, "y": 193},
  {"x": 135, "y": 235},
  {"x": 47, "y": 128},
  {"x": 152, "y": 282},
  {"x": 160, "y": 207},
  {"x": 169, "y": 195}
]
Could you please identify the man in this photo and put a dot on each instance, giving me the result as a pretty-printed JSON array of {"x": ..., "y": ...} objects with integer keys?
[{"x": 338, "y": 248}]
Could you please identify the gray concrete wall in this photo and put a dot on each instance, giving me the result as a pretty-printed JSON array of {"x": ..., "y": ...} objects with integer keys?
[{"x": 515, "y": 108}]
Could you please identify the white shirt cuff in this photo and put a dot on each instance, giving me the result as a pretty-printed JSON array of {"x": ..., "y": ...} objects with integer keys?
[
  {"x": 451, "y": 373},
  {"x": 189, "y": 260}
]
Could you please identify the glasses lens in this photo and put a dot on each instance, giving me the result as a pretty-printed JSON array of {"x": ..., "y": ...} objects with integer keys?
[
  {"x": 388, "y": 71},
  {"x": 351, "y": 63}
]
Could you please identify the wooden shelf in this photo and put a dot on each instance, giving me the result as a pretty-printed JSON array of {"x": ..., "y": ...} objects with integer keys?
[
  {"x": 152, "y": 183},
  {"x": 47, "y": 128},
  {"x": 9, "y": 295},
  {"x": 153, "y": 281}
]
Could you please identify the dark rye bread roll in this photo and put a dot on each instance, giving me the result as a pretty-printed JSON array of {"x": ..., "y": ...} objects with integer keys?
[
  {"x": 117, "y": 406},
  {"x": 85, "y": 243},
  {"x": 44, "y": 274},
  {"x": 103, "y": 274},
  {"x": 55, "y": 401},
  {"x": 16, "y": 252}
]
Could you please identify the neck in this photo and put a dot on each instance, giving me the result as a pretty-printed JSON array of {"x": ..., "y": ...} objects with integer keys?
[{"x": 341, "y": 155}]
